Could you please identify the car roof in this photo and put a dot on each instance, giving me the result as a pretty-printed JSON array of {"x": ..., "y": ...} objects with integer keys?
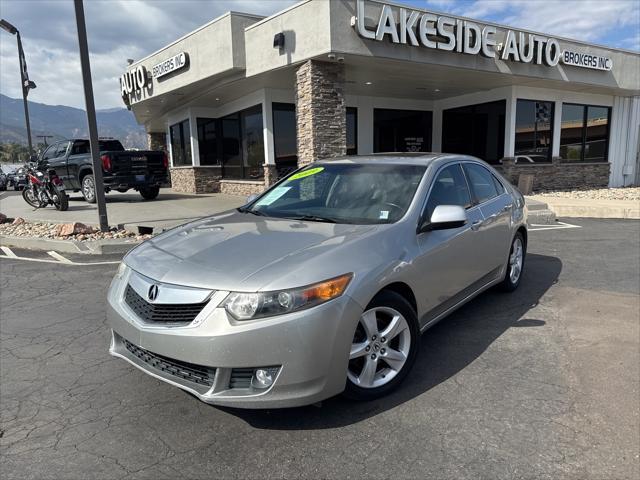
[{"x": 399, "y": 158}]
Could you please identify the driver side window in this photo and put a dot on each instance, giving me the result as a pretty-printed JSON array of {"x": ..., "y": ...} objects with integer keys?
[
  {"x": 49, "y": 152},
  {"x": 449, "y": 188}
]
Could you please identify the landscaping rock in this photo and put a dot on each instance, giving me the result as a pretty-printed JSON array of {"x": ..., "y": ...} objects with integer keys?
[
  {"x": 66, "y": 231},
  {"x": 76, "y": 228}
]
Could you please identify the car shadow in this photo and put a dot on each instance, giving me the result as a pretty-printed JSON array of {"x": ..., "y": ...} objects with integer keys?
[{"x": 446, "y": 349}]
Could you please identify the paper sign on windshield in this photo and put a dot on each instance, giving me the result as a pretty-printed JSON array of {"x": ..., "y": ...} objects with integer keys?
[{"x": 272, "y": 196}]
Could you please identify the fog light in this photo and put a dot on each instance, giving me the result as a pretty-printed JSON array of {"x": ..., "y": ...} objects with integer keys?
[{"x": 263, "y": 377}]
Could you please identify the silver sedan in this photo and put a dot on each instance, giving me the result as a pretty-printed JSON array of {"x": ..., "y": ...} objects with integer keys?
[{"x": 322, "y": 284}]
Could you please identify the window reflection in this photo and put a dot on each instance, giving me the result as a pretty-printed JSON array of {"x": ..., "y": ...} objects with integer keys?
[
  {"x": 534, "y": 131},
  {"x": 584, "y": 134}
]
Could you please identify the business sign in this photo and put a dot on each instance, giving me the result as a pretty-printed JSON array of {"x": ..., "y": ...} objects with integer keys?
[
  {"x": 419, "y": 28},
  {"x": 170, "y": 65},
  {"x": 586, "y": 60},
  {"x": 133, "y": 81}
]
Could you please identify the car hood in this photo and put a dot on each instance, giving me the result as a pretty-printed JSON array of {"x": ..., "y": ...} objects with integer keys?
[{"x": 244, "y": 252}]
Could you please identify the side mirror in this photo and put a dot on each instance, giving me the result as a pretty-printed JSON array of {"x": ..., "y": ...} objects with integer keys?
[
  {"x": 445, "y": 217},
  {"x": 252, "y": 197}
]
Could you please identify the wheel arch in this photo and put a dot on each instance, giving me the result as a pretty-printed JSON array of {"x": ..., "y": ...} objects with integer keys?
[
  {"x": 402, "y": 289},
  {"x": 522, "y": 229},
  {"x": 83, "y": 173}
]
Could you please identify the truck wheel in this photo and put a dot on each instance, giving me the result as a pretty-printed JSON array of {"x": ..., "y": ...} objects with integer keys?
[
  {"x": 89, "y": 188},
  {"x": 150, "y": 193}
]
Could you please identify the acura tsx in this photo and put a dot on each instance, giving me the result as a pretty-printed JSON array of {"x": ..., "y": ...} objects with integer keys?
[{"x": 320, "y": 285}]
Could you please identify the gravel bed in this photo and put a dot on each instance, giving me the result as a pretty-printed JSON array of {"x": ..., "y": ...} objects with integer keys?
[
  {"x": 626, "y": 193},
  {"x": 50, "y": 231}
]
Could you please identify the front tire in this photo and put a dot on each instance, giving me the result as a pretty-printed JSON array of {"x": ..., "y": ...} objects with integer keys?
[
  {"x": 61, "y": 200},
  {"x": 515, "y": 264},
  {"x": 31, "y": 197},
  {"x": 384, "y": 348},
  {"x": 150, "y": 193},
  {"x": 89, "y": 188}
]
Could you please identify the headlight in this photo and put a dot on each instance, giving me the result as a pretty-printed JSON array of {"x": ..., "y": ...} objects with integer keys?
[
  {"x": 121, "y": 269},
  {"x": 249, "y": 306}
]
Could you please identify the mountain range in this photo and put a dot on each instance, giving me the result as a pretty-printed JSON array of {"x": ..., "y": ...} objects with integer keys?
[{"x": 66, "y": 122}]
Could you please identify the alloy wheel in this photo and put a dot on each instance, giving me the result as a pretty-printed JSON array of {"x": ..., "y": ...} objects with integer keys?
[
  {"x": 88, "y": 188},
  {"x": 515, "y": 260},
  {"x": 380, "y": 347}
]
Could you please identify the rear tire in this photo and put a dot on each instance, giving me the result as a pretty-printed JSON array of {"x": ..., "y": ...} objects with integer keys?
[
  {"x": 150, "y": 193},
  {"x": 89, "y": 188},
  {"x": 515, "y": 264},
  {"x": 384, "y": 348}
]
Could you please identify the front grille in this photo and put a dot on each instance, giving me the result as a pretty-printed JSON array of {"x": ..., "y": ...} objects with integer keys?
[
  {"x": 181, "y": 313},
  {"x": 187, "y": 371}
]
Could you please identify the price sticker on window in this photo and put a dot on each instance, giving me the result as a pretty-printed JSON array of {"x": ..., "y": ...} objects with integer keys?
[
  {"x": 272, "y": 196},
  {"x": 306, "y": 173}
]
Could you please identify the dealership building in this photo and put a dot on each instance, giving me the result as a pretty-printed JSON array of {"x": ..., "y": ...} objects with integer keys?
[{"x": 243, "y": 100}]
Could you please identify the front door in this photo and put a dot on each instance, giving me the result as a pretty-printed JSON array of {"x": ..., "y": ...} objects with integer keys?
[{"x": 448, "y": 258}]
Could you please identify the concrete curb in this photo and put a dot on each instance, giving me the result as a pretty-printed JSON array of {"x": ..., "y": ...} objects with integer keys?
[
  {"x": 584, "y": 208},
  {"x": 98, "y": 247}
]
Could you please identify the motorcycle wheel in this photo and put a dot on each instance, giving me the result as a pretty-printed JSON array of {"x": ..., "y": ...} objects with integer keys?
[
  {"x": 30, "y": 197},
  {"x": 60, "y": 200}
]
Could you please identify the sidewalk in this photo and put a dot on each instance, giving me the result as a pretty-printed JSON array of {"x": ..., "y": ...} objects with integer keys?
[
  {"x": 168, "y": 210},
  {"x": 590, "y": 208}
]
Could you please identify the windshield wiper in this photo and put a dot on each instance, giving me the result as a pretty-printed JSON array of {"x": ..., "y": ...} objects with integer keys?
[
  {"x": 313, "y": 218},
  {"x": 248, "y": 210}
]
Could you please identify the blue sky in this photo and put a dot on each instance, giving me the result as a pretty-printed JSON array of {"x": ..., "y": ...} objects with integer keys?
[{"x": 121, "y": 29}]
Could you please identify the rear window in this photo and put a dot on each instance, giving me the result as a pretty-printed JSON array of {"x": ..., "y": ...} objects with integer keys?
[
  {"x": 110, "y": 146},
  {"x": 81, "y": 147}
]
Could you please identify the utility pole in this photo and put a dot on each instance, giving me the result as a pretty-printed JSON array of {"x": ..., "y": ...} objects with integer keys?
[
  {"x": 24, "y": 78},
  {"x": 91, "y": 115}
]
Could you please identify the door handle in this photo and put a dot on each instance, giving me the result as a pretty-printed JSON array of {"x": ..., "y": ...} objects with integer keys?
[
  {"x": 506, "y": 208},
  {"x": 476, "y": 225}
]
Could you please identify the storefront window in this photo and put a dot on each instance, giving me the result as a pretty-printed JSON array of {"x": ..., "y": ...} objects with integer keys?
[
  {"x": 252, "y": 142},
  {"x": 584, "y": 134},
  {"x": 207, "y": 141},
  {"x": 284, "y": 137},
  {"x": 352, "y": 131},
  {"x": 476, "y": 130},
  {"x": 181, "y": 144},
  {"x": 401, "y": 130},
  {"x": 243, "y": 144},
  {"x": 534, "y": 131}
]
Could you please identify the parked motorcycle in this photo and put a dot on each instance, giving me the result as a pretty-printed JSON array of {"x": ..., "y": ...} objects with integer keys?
[{"x": 44, "y": 189}]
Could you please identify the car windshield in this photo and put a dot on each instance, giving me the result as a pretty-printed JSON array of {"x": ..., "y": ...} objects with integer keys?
[{"x": 342, "y": 193}]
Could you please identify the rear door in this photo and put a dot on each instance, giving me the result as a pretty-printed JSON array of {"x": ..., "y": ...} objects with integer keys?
[
  {"x": 57, "y": 158},
  {"x": 495, "y": 205}
]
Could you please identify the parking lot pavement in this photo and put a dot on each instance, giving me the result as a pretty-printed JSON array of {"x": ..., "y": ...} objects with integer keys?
[
  {"x": 542, "y": 383},
  {"x": 168, "y": 210}
]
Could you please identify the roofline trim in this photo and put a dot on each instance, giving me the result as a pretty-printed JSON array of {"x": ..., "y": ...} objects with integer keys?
[
  {"x": 193, "y": 32},
  {"x": 277, "y": 14}
]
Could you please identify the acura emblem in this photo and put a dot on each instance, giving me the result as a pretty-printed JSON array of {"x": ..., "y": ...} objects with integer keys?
[{"x": 153, "y": 292}]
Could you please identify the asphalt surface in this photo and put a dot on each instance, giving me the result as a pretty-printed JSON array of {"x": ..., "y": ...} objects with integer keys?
[{"x": 541, "y": 383}]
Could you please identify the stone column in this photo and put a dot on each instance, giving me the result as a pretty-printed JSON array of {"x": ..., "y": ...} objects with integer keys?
[
  {"x": 270, "y": 174},
  {"x": 320, "y": 111},
  {"x": 157, "y": 141}
]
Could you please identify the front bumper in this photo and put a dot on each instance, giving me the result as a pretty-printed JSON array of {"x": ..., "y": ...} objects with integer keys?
[{"x": 310, "y": 349}]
